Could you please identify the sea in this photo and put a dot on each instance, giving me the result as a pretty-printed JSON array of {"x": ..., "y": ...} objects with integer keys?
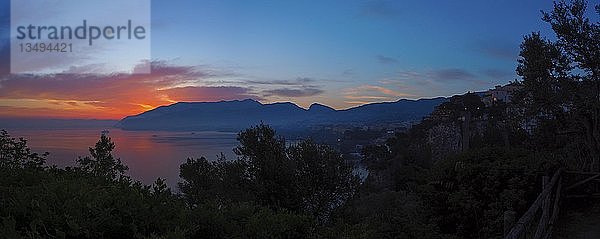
[{"x": 148, "y": 154}]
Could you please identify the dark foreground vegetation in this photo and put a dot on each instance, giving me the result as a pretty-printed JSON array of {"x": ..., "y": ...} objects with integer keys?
[{"x": 451, "y": 176}]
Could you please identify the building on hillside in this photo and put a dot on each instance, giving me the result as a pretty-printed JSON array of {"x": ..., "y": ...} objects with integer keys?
[{"x": 500, "y": 94}]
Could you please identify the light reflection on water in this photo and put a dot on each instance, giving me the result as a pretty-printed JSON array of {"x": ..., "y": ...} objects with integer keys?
[{"x": 149, "y": 154}]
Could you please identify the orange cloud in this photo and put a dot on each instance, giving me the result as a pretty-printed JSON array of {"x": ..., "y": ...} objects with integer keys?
[{"x": 107, "y": 96}]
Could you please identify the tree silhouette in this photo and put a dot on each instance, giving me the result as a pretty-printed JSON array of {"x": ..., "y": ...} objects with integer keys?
[
  {"x": 303, "y": 178},
  {"x": 269, "y": 169},
  {"x": 102, "y": 163},
  {"x": 14, "y": 153},
  {"x": 324, "y": 180},
  {"x": 562, "y": 78}
]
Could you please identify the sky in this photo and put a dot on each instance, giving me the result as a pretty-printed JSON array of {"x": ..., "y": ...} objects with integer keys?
[{"x": 338, "y": 53}]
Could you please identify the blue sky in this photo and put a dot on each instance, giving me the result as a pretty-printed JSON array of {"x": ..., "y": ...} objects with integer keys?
[
  {"x": 339, "y": 53},
  {"x": 343, "y": 45}
]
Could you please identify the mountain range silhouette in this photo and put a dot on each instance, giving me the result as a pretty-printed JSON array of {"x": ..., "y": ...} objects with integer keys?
[{"x": 239, "y": 114}]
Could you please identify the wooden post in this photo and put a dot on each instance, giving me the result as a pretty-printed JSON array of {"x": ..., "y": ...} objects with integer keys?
[
  {"x": 542, "y": 224},
  {"x": 521, "y": 226},
  {"x": 510, "y": 217},
  {"x": 546, "y": 205},
  {"x": 555, "y": 208}
]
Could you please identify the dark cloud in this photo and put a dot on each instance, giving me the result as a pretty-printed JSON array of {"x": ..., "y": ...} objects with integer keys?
[
  {"x": 293, "y": 92},
  {"x": 386, "y": 60},
  {"x": 453, "y": 74},
  {"x": 300, "y": 81},
  {"x": 498, "y": 74},
  {"x": 379, "y": 8},
  {"x": 498, "y": 50},
  {"x": 208, "y": 93},
  {"x": 300, "y": 87}
]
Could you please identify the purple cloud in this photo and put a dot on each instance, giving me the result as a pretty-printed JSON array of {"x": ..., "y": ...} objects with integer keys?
[
  {"x": 287, "y": 92},
  {"x": 208, "y": 93},
  {"x": 452, "y": 74}
]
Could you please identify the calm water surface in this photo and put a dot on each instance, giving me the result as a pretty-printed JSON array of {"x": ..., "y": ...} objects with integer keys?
[{"x": 149, "y": 154}]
